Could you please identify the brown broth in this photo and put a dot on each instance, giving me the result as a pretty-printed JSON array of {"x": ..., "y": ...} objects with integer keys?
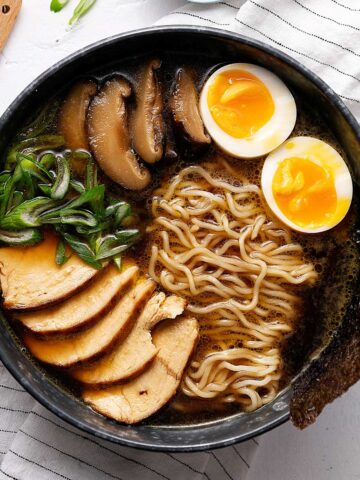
[{"x": 334, "y": 254}]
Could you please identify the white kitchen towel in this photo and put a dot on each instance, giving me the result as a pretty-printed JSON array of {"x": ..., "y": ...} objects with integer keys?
[
  {"x": 35, "y": 445},
  {"x": 324, "y": 35},
  {"x": 217, "y": 15}
]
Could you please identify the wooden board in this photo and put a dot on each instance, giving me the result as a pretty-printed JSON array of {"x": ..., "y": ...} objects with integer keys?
[{"x": 9, "y": 10}]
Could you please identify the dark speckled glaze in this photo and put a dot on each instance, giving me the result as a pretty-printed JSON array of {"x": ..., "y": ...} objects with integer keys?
[{"x": 212, "y": 43}]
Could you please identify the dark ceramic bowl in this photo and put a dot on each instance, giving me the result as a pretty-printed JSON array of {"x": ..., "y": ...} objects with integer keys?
[{"x": 217, "y": 47}]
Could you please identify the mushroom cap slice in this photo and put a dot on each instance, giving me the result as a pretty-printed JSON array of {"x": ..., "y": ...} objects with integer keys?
[
  {"x": 146, "y": 394},
  {"x": 96, "y": 340},
  {"x": 109, "y": 136},
  {"x": 30, "y": 278},
  {"x": 72, "y": 116},
  {"x": 184, "y": 107},
  {"x": 147, "y": 120},
  {"x": 81, "y": 309},
  {"x": 132, "y": 355}
]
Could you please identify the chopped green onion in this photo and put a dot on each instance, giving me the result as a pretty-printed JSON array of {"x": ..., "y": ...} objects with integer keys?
[
  {"x": 4, "y": 177},
  {"x": 27, "y": 214},
  {"x": 70, "y": 217},
  {"x": 94, "y": 197},
  {"x": 35, "y": 169},
  {"x": 47, "y": 160},
  {"x": 78, "y": 160},
  {"x": 117, "y": 259},
  {"x": 9, "y": 188},
  {"x": 109, "y": 246},
  {"x": 61, "y": 184},
  {"x": 29, "y": 186},
  {"x": 77, "y": 186},
  {"x": 32, "y": 145},
  {"x": 91, "y": 175},
  {"x": 45, "y": 188},
  {"x": 100, "y": 227},
  {"x": 21, "y": 238},
  {"x": 82, "y": 7},
  {"x": 60, "y": 257},
  {"x": 127, "y": 236},
  {"x": 57, "y": 5},
  {"x": 83, "y": 250},
  {"x": 17, "y": 198},
  {"x": 124, "y": 211}
]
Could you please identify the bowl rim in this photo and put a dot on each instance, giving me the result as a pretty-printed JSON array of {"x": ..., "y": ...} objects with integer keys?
[{"x": 333, "y": 99}]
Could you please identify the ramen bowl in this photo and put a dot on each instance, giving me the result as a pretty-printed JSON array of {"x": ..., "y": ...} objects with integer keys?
[{"x": 217, "y": 47}]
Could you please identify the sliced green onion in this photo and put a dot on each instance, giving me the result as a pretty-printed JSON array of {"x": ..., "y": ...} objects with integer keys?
[
  {"x": 47, "y": 160},
  {"x": 32, "y": 145},
  {"x": 100, "y": 227},
  {"x": 60, "y": 256},
  {"x": 29, "y": 186},
  {"x": 91, "y": 175},
  {"x": 4, "y": 177},
  {"x": 45, "y": 188},
  {"x": 112, "y": 208},
  {"x": 35, "y": 169},
  {"x": 117, "y": 259},
  {"x": 127, "y": 236},
  {"x": 21, "y": 238},
  {"x": 83, "y": 250},
  {"x": 27, "y": 214},
  {"x": 57, "y": 5},
  {"x": 93, "y": 196},
  {"x": 77, "y": 186},
  {"x": 17, "y": 198},
  {"x": 109, "y": 246},
  {"x": 71, "y": 217},
  {"x": 78, "y": 160},
  {"x": 124, "y": 211},
  {"x": 61, "y": 184},
  {"x": 9, "y": 188},
  {"x": 82, "y": 7}
]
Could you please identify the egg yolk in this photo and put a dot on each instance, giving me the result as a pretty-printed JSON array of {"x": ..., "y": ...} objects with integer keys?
[
  {"x": 305, "y": 192},
  {"x": 239, "y": 103}
]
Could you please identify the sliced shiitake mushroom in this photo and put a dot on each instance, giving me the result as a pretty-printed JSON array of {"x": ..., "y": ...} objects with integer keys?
[
  {"x": 183, "y": 105},
  {"x": 147, "y": 120},
  {"x": 72, "y": 117},
  {"x": 109, "y": 136}
]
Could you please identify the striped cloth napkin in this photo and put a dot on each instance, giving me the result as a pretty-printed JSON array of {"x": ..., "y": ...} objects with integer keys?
[
  {"x": 36, "y": 445},
  {"x": 324, "y": 35}
]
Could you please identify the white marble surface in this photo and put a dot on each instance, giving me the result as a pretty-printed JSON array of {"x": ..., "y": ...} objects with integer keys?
[{"x": 329, "y": 450}]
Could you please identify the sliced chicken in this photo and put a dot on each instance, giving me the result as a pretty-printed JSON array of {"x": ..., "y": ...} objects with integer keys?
[
  {"x": 94, "y": 341},
  {"x": 83, "y": 308},
  {"x": 146, "y": 394},
  {"x": 31, "y": 279},
  {"x": 134, "y": 354}
]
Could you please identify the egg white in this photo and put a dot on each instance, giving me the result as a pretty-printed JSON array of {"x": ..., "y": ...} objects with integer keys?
[
  {"x": 270, "y": 135},
  {"x": 320, "y": 153}
]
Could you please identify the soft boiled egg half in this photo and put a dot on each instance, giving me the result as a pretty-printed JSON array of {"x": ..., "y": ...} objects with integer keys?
[
  {"x": 247, "y": 110},
  {"x": 307, "y": 184}
]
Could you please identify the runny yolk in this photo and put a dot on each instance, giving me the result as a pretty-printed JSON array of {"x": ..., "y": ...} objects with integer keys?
[
  {"x": 305, "y": 192},
  {"x": 240, "y": 103}
]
